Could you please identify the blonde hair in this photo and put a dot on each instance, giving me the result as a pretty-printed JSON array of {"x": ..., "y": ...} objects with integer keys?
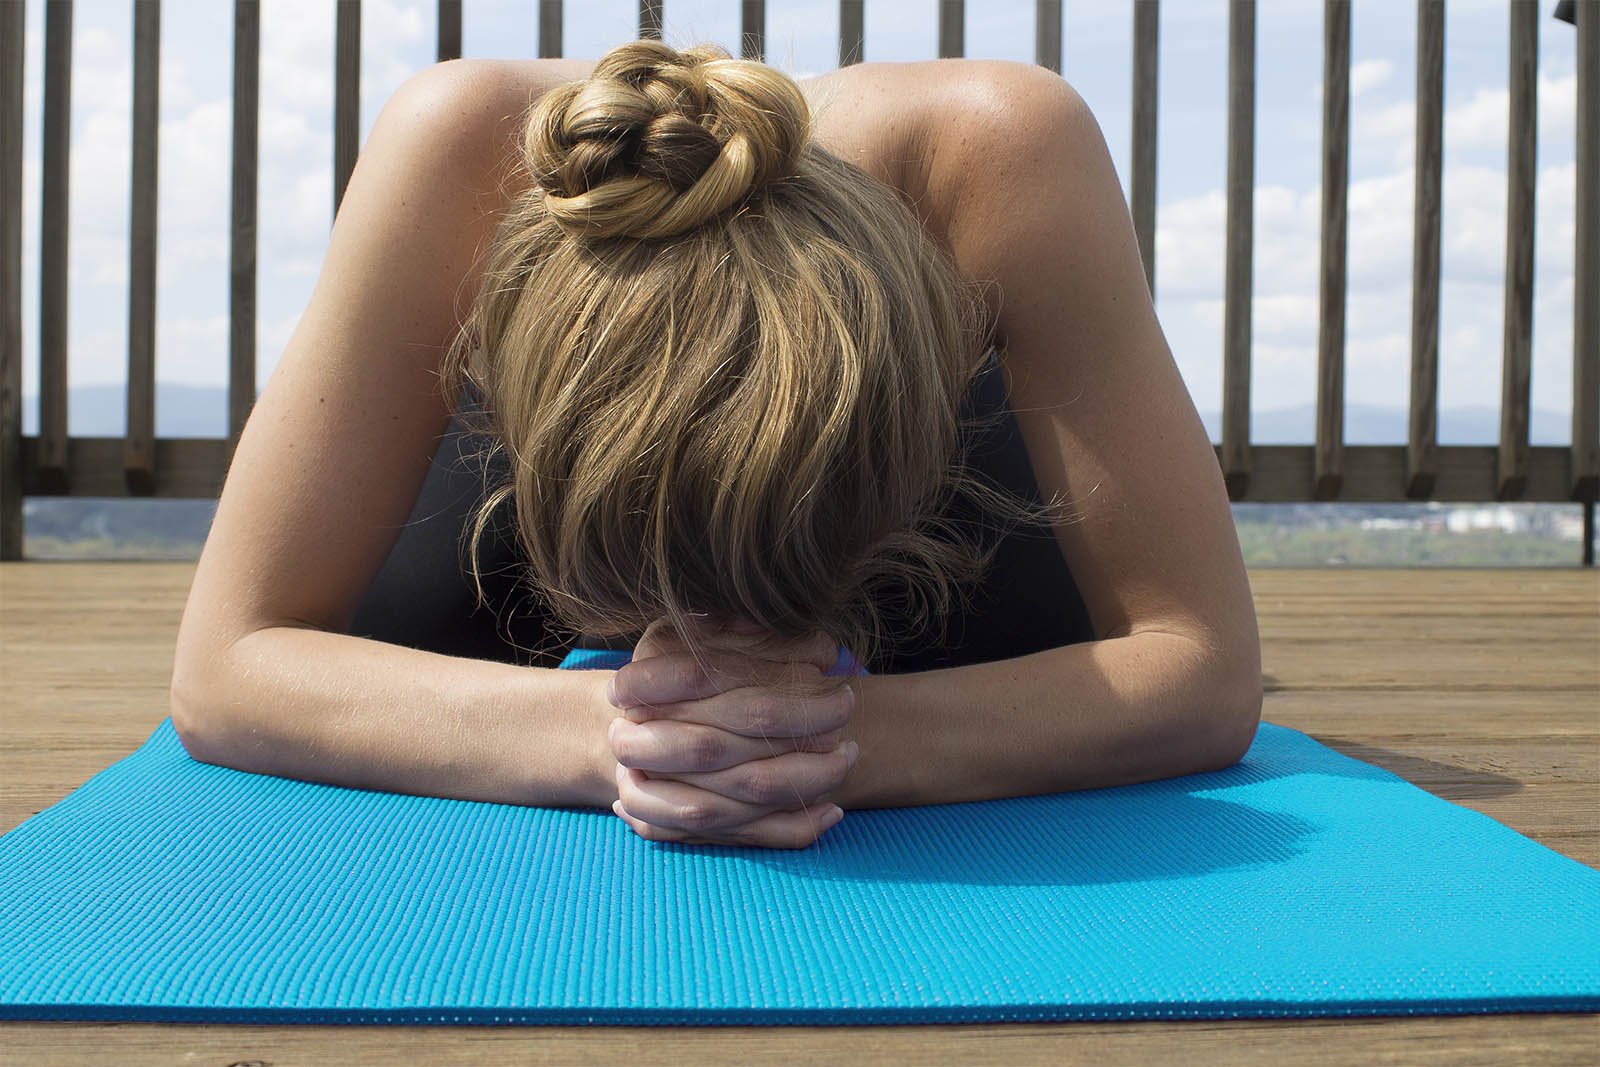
[{"x": 725, "y": 366}]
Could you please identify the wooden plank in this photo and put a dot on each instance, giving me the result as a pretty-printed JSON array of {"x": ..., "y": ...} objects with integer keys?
[
  {"x": 1329, "y": 473},
  {"x": 550, "y": 30},
  {"x": 1047, "y": 34},
  {"x": 242, "y": 228},
  {"x": 1236, "y": 458},
  {"x": 86, "y": 652},
  {"x": 1402, "y": 620},
  {"x": 1559, "y": 587},
  {"x": 753, "y": 30},
  {"x": 952, "y": 28},
  {"x": 1142, "y": 183},
  {"x": 138, "y": 451},
  {"x": 1586, "y": 270},
  {"x": 1280, "y": 473},
  {"x": 346, "y": 95},
  {"x": 1378, "y": 665},
  {"x": 650, "y": 18},
  {"x": 1423, "y": 431},
  {"x": 852, "y": 36},
  {"x": 191, "y": 467},
  {"x": 1462, "y": 1041},
  {"x": 55, "y": 178},
  {"x": 448, "y": 31},
  {"x": 1517, "y": 346},
  {"x": 1378, "y": 473},
  {"x": 12, "y": 23}
]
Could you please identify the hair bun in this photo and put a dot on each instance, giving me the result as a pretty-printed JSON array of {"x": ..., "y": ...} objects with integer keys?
[{"x": 657, "y": 140}]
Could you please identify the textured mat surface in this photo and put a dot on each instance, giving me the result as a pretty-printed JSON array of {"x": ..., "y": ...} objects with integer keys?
[{"x": 1298, "y": 883}]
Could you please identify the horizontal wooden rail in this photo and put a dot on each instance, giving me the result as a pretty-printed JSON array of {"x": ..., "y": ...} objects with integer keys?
[{"x": 193, "y": 467}]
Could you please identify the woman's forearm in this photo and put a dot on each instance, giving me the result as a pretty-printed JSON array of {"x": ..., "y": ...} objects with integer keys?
[
  {"x": 351, "y": 711},
  {"x": 1083, "y": 716}
]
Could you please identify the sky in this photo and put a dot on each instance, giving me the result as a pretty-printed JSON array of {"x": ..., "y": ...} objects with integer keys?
[{"x": 295, "y": 199}]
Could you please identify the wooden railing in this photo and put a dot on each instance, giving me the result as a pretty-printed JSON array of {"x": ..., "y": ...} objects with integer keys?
[{"x": 142, "y": 464}]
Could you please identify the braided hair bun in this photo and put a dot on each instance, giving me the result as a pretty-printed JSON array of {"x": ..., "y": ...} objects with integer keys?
[{"x": 659, "y": 140}]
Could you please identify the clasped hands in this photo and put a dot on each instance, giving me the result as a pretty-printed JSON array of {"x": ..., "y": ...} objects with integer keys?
[{"x": 718, "y": 755}]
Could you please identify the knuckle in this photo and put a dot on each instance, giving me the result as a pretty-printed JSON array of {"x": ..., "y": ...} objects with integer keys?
[
  {"x": 768, "y": 789},
  {"x": 764, "y": 714},
  {"x": 684, "y": 675},
  {"x": 697, "y": 817},
  {"x": 706, "y": 750},
  {"x": 748, "y": 783}
]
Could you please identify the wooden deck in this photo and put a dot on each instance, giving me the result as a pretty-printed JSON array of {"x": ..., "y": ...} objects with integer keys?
[{"x": 1480, "y": 686}]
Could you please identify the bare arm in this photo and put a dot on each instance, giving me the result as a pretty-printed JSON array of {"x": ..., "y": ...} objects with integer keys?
[
  {"x": 350, "y": 711},
  {"x": 265, "y": 677},
  {"x": 1019, "y": 181}
]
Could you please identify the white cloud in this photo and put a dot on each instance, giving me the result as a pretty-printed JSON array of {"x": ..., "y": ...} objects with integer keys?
[
  {"x": 189, "y": 349},
  {"x": 1482, "y": 122},
  {"x": 1191, "y": 239},
  {"x": 1369, "y": 74}
]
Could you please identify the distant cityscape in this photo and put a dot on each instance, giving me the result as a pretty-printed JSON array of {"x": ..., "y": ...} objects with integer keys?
[{"x": 1270, "y": 535}]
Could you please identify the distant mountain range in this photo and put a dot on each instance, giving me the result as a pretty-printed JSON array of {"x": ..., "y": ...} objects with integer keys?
[{"x": 202, "y": 411}]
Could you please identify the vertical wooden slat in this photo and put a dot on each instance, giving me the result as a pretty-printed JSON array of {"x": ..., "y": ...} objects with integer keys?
[
  {"x": 852, "y": 34},
  {"x": 753, "y": 30},
  {"x": 1237, "y": 285},
  {"x": 449, "y": 30},
  {"x": 242, "y": 232},
  {"x": 1423, "y": 433},
  {"x": 1329, "y": 466},
  {"x": 1146, "y": 63},
  {"x": 550, "y": 32},
  {"x": 1511, "y": 472},
  {"x": 1047, "y": 34},
  {"x": 12, "y": 21},
  {"x": 650, "y": 19},
  {"x": 1588, "y": 533},
  {"x": 52, "y": 465},
  {"x": 1586, "y": 271},
  {"x": 139, "y": 443},
  {"x": 346, "y": 95},
  {"x": 952, "y": 28}
]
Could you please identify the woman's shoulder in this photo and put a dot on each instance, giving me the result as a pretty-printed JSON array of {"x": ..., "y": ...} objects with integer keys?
[
  {"x": 900, "y": 120},
  {"x": 896, "y": 120},
  {"x": 862, "y": 112},
  {"x": 882, "y": 115}
]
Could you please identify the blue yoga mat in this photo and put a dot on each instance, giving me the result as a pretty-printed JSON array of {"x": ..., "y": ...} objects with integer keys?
[{"x": 1299, "y": 882}]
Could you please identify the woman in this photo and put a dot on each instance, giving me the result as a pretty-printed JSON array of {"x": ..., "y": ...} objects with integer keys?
[{"x": 705, "y": 343}]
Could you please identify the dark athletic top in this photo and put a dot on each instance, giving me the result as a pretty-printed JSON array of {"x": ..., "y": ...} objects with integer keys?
[{"x": 423, "y": 597}]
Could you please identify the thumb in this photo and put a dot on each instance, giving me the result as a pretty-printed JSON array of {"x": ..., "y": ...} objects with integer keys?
[{"x": 816, "y": 648}]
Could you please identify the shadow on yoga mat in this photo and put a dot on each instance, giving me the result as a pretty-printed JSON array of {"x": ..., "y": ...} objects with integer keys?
[{"x": 1299, "y": 882}]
